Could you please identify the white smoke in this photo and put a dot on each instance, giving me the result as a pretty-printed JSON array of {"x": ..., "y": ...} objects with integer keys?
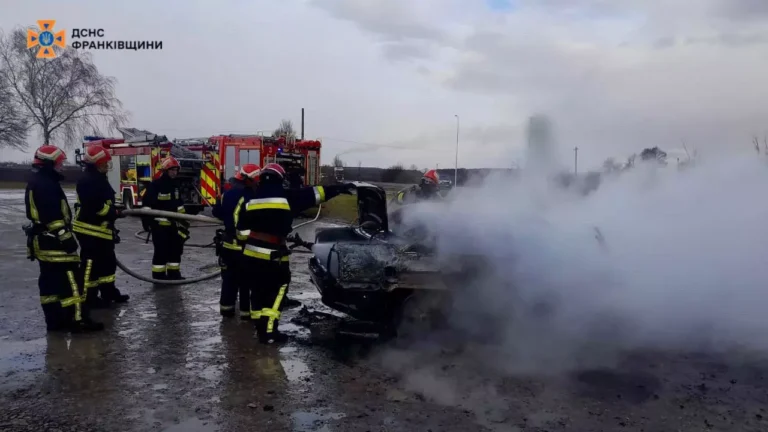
[{"x": 684, "y": 264}]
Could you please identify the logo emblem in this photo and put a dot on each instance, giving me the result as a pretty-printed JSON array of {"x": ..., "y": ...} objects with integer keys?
[{"x": 46, "y": 39}]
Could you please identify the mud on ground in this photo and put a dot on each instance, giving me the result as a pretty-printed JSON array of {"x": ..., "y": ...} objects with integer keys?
[{"x": 168, "y": 362}]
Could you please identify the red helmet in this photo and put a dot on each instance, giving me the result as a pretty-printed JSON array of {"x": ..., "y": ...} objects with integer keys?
[
  {"x": 273, "y": 168},
  {"x": 168, "y": 163},
  {"x": 96, "y": 154},
  {"x": 431, "y": 176},
  {"x": 248, "y": 171},
  {"x": 49, "y": 154}
]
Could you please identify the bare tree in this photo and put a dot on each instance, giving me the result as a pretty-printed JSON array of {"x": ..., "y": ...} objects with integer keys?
[
  {"x": 413, "y": 167},
  {"x": 285, "y": 129},
  {"x": 337, "y": 162},
  {"x": 64, "y": 96},
  {"x": 13, "y": 124},
  {"x": 756, "y": 143}
]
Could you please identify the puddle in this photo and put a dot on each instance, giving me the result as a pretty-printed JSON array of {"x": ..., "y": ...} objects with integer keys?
[
  {"x": 193, "y": 425},
  {"x": 205, "y": 323},
  {"x": 295, "y": 370},
  {"x": 315, "y": 421},
  {"x": 22, "y": 355}
]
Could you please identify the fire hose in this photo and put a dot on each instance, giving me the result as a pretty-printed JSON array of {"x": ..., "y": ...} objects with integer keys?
[{"x": 192, "y": 218}]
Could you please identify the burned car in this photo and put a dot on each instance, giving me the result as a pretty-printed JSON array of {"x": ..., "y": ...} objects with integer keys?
[{"x": 372, "y": 274}]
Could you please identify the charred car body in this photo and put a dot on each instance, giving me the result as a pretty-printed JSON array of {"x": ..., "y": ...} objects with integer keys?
[{"x": 372, "y": 274}]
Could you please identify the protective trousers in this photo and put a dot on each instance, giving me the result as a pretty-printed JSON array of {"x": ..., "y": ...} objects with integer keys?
[
  {"x": 267, "y": 300},
  {"x": 166, "y": 261},
  {"x": 98, "y": 264},
  {"x": 229, "y": 261},
  {"x": 60, "y": 294}
]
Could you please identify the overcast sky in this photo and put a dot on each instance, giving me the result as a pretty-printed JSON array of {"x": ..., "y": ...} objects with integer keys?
[{"x": 614, "y": 75}]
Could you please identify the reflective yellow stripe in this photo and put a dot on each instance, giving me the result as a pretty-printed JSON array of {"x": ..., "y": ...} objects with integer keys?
[
  {"x": 226, "y": 308},
  {"x": 400, "y": 197},
  {"x": 268, "y": 203},
  {"x": 237, "y": 210},
  {"x": 274, "y": 313},
  {"x": 233, "y": 246},
  {"x": 65, "y": 211},
  {"x": 319, "y": 194},
  {"x": 242, "y": 235},
  {"x": 158, "y": 268},
  {"x": 174, "y": 266},
  {"x": 33, "y": 208},
  {"x": 245, "y": 313},
  {"x": 57, "y": 224},
  {"x": 107, "y": 279},
  {"x": 183, "y": 235},
  {"x": 92, "y": 227},
  {"x": 64, "y": 235},
  {"x": 104, "y": 210},
  {"x": 49, "y": 299},
  {"x": 181, "y": 209},
  {"x": 75, "y": 296},
  {"x": 255, "y": 315},
  {"x": 261, "y": 253},
  {"x": 87, "y": 279},
  {"x": 52, "y": 255},
  {"x": 164, "y": 197}
]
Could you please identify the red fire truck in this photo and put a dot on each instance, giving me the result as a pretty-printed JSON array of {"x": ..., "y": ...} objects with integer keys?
[
  {"x": 223, "y": 155},
  {"x": 136, "y": 162}
]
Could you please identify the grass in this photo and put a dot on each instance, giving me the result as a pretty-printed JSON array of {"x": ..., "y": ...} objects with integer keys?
[
  {"x": 341, "y": 208},
  {"x": 22, "y": 185}
]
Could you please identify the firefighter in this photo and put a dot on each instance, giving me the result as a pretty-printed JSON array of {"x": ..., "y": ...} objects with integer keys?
[
  {"x": 427, "y": 189},
  {"x": 168, "y": 235},
  {"x": 50, "y": 241},
  {"x": 227, "y": 246},
  {"x": 263, "y": 223},
  {"x": 94, "y": 227}
]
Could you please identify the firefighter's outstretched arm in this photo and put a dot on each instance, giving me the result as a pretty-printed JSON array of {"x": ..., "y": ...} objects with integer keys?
[
  {"x": 308, "y": 197},
  {"x": 52, "y": 213},
  {"x": 406, "y": 196}
]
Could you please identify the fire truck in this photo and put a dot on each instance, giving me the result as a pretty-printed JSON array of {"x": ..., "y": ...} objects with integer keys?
[
  {"x": 223, "y": 155},
  {"x": 136, "y": 162}
]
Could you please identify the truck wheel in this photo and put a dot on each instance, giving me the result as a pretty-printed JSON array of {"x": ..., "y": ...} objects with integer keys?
[{"x": 128, "y": 200}]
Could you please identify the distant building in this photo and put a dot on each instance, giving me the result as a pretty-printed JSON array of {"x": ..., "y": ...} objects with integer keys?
[{"x": 541, "y": 152}]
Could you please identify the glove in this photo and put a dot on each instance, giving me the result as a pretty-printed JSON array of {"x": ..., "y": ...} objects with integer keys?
[
  {"x": 145, "y": 223},
  {"x": 116, "y": 239},
  {"x": 119, "y": 213},
  {"x": 70, "y": 245},
  {"x": 347, "y": 188}
]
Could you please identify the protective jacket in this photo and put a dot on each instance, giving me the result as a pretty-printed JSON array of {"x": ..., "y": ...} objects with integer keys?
[
  {"x": 163, "y": 194},
  {"x": 95, "y": 211},
  {"x": 225, "y": 210},
  {"x": 264, "y": 221},
  {"x": 49, "y": 239},
  {"x": 415, "y": 194}
]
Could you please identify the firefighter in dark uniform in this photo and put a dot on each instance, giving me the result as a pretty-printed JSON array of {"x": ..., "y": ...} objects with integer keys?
[
  {"x": 227, "y": 246},
  {"x": 50, "y": 241},
  {"x": 94, "y": 227},
  {"x": 428, "y": 188},
  {"x": 263, "y": 223},
  {"x": 168, "y": 235}
]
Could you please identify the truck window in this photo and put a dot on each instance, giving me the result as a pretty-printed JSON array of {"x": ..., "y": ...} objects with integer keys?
[
  {"x": 249, "y": 156},
  {"x": 229, "y": 168},
  {"x": 128, "y": 172}
]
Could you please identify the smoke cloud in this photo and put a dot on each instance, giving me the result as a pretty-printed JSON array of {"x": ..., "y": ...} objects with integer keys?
[{"x": 655, "y": 258}]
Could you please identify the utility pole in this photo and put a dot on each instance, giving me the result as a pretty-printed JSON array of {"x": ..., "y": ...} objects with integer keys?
[
  {"x": 456, "y": 168},
  {"x": 575, "y": 160}
]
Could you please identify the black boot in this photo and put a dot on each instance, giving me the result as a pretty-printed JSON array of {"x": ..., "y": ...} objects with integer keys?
[
  {"x": 95, "y": 302},
  {"x": 273, "y": 337},
  {"x": 114, "y": 294},
  {"x": 227, "y": 313},
  {"x": 86, "y": 326}
]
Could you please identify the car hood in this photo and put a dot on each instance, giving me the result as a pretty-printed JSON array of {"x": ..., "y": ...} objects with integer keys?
[{"x": 372, "y": 205}]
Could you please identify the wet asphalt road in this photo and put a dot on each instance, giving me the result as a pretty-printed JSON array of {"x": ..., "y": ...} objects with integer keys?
[{"x": 168, "y": 362}]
